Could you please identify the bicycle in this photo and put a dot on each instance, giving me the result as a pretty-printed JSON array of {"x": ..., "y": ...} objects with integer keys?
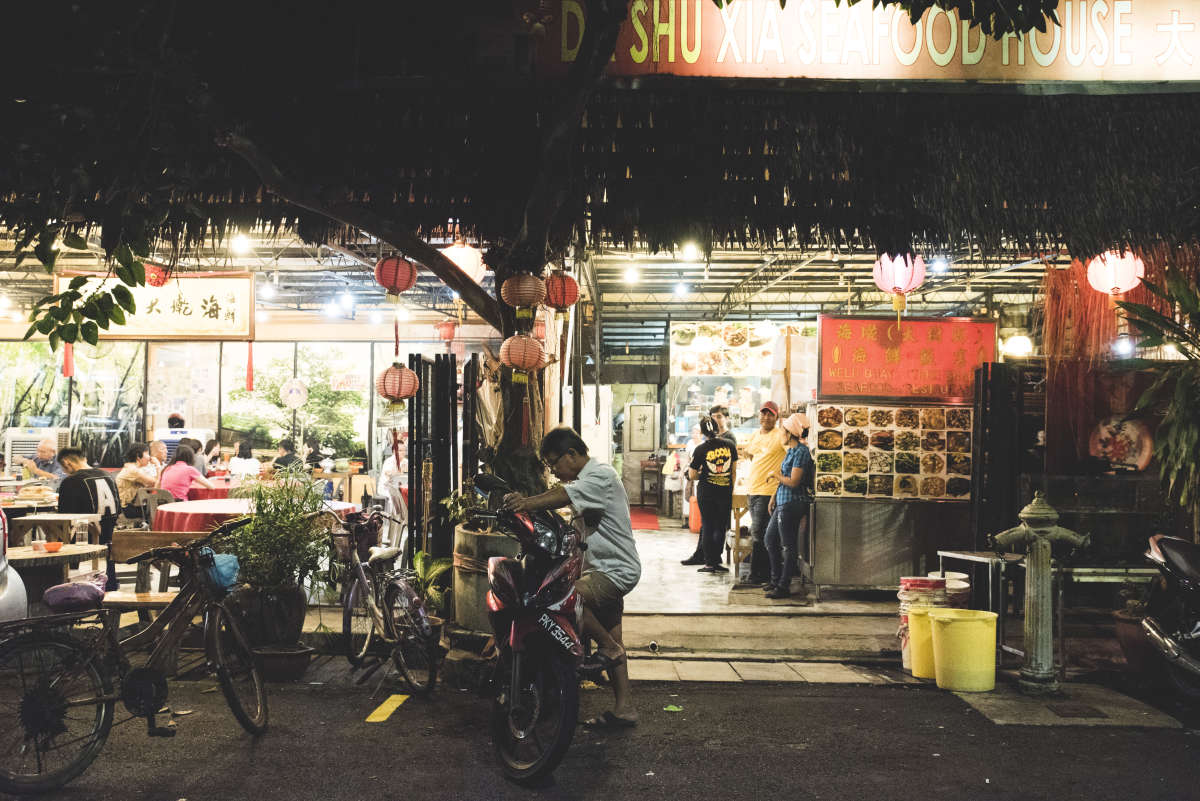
[
  {"x": 61, "y": 675},
  {"x": 381, "y": 607}
]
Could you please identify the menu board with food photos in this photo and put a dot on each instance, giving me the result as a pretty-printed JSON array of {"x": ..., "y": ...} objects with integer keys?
[
  {"x": 869, "y": 451},
  {"x": 722, "y": 349}
]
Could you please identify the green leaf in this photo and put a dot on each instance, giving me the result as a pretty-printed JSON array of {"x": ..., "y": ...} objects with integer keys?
[
  {"x": 124, "y": 255},
  {"x": 116, "y": 315},
  {"x": 90, "y": 333},
  {"x": 32, "y": 330},
  {"x": 75, "y": 241},
  {"x": 54, "y": 340},
  {"x": 91, "y": 310},
  {"x": 78, "y": 281},
  {"x": 69, "y": 332},
  {"x": 138, "y": 271},
  {"x": 124, "y": 297},
  {"x": 46, "y": 324},
  {"x": 77, "y": 315},
  {"x": 125, "y": 274},
  {"x": 102, "y": 321},
  {"x": 60, "y": 313}
]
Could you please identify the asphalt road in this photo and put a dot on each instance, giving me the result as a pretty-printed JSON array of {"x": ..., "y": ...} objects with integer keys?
[{"x": 747, "y": 741}]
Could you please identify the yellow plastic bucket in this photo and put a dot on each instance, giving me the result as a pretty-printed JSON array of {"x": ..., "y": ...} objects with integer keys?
[
  {"x": 964, "y": 649},
  {"x": 920, "y": 642}
]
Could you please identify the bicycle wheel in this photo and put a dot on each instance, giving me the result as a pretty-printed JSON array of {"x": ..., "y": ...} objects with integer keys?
[
  {"x": 358, "y": 626},
  {"x": 53, "y": 716},
  {"x": 415, "y": 652},
  {"x": 237, "y": 670}
]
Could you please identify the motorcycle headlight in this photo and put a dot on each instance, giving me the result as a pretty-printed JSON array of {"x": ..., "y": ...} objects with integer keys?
[{"x": 545, "y": 538}]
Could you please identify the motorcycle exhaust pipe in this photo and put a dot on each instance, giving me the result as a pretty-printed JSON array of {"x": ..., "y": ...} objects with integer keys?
[{"x": 1168, "y": 647}]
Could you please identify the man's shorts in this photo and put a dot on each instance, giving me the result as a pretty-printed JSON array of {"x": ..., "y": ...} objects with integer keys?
[{"x": 602, "y": 597}]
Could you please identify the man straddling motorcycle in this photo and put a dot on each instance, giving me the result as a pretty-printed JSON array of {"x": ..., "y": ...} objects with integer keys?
[{"x": 611, "y": 567}]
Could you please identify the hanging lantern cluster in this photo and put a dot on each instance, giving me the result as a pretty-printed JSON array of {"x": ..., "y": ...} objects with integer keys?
[
  {"x": 395, "y": 274},
  {"x": 397, "y": 384},
  {"x": 524, "y": 292},
  {"x": 899, "y": 276},
  {"x": 562, "y": 291},
  {"x": 523, "y": 354},
  {"x": 1115, "y": 273}
]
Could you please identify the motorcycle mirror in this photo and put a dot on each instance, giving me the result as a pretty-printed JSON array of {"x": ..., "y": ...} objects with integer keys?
[{"x": 489, "y": 482}]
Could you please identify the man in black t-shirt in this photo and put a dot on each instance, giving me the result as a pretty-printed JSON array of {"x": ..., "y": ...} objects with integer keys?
[
  {"x": 287, "y": 454},
  {"x": 87, "y": 490},
  {"x": 713, "y": 470}
]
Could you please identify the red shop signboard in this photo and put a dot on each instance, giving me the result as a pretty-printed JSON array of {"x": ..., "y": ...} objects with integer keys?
[{"x": 919, "y": 359}]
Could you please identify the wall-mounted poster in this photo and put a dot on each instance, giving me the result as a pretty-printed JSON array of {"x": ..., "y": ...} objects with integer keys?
[
  {"x": 917, "y": 359},
  {"x": 902, "y": 452},
  {"x": 641, "y": 421},
  {"x": 740, "y": 349}
]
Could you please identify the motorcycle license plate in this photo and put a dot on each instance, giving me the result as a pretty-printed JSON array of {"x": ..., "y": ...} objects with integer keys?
[{"x": 557, "y": 632}]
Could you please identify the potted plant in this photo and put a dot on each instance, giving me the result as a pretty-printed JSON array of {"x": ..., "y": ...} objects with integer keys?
[
  {"x": 281, "y": 547},
  {"x": 1175, "y": 393},
  {"x": 1127, "y": 620},
  {"x": 429, "y": 583},
  {"x": 473, "y": 546}
]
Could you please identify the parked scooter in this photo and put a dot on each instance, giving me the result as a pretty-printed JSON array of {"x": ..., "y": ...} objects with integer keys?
[
  {"x": 535, "y": 615},
  {"x": 1172, "y": 622}
]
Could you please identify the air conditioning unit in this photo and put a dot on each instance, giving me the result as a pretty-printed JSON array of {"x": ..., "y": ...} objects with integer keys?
[{"x": 21, "y": 443}]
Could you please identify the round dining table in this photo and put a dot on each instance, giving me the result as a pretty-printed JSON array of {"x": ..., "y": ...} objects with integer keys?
[
  {"x": 221, "y": 487},
  {"x": 203, "y": 516}
]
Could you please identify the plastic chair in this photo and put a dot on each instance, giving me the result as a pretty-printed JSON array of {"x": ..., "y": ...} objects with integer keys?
[{"x": 150, "y": 499}]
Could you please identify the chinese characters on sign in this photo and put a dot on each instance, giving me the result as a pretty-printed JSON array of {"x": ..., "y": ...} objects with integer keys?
[
  {"x": 915, "y": 360},
  {"x": 1106, "y": 40},
  {"x": 188, "y": 306}
]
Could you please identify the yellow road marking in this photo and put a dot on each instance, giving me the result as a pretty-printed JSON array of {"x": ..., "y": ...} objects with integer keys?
[{"x": 385, "y": 710}]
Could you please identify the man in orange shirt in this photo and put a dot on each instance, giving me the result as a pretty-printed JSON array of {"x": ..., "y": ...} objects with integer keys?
[{"x": 766, "y": 450}]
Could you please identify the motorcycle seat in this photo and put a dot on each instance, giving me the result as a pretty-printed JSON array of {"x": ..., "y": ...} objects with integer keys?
[
  {"x": 380, "y": 553},
  {"x": 1182, "y": 556}
]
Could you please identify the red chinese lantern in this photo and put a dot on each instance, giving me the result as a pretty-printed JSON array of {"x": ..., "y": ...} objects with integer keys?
[
  {"x": 155, "y": 275},
  {"x": 1115, "y": 273},
  {"x": 395, "y": 274},
  {"x": 561, "y": 291},
  {"x": 397, "y": 383},
  {"x": 523, "y": 292},
  {"x": 899, "y": 276},
  {"x": 539, "y": 329},
  {"x": 522, "y": 353},
  {"x": 446, "y": 330}
]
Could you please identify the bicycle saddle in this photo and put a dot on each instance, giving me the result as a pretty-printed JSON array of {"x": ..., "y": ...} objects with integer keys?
[{"x": 381, "y": 553}]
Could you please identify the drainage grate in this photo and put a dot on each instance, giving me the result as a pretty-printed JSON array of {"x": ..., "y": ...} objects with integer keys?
[{"x": 1073, "y": 710}]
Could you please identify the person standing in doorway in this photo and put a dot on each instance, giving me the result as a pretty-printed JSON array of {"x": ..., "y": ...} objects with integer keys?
[
  {"x": 713, "y": 469},
  {"x": 766, "y": 449},
  {"x": 720, "y": 418}
]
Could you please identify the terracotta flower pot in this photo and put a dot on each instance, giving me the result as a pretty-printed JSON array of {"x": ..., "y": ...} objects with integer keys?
[{"x": 1139, "y": 653}]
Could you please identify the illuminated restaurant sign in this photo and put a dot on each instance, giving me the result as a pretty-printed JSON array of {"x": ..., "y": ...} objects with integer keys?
[
  {"x": 188, "y": 306},
  {"x": 1100, "y": 40},
  {"x": 931, "y": 360}
]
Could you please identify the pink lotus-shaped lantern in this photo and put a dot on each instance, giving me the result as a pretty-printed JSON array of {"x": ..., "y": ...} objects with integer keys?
[{"x": 898, "y": 276}]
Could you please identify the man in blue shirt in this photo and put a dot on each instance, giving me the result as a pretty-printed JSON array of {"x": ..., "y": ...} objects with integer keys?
[{"x": 45, "y": 465}]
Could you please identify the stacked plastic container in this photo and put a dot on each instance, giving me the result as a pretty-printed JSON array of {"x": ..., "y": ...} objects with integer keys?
[{"x": 920, "y": 592}]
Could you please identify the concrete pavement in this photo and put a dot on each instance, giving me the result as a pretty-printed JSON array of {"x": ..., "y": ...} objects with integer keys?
[{"x": 794, "y": 740}]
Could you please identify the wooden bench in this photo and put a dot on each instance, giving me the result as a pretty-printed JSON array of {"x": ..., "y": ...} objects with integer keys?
[{"x": 128, "y": 544}]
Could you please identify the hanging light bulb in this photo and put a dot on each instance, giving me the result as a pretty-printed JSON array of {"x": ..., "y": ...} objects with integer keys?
[
  {"x": 1018, "y": 346},
  {"x": 331, "y": 310},
  {"x": 402, "y": 313},
  {"x": 266, "y": 291},
  {"x": 940, "y": 265},
  {"x": 375, "y": 317},
  {"x": 346, "y": 300},
  {"x": 631, "y": 275},
  {"x": 1123, "y": 346},
  {"x": 240, "y": 245},
  {"x": 690, "y": 251},
  {"x": 681, "y": 289},
  {"x": 4, "y": 302}
]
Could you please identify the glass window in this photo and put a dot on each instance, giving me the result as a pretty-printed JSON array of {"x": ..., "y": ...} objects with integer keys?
[
  {"x": 183, "y": 379},
  {"x": 106, "y": 400},
  {"x": 33, "y": 393},
  {"x": 338, "y": 378},
  {"x": 259, "y": 414}
]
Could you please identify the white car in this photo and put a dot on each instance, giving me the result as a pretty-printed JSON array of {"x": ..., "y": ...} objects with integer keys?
[{"x": 13, "y": 604}]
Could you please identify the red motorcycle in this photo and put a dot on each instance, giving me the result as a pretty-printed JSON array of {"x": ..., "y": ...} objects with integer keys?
[{"x": 535, "y": 616}]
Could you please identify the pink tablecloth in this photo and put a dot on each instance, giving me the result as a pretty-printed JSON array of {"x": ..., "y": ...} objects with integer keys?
[
  {"x": 206, "y": 515},
  {"x": 221, "y": 490}
]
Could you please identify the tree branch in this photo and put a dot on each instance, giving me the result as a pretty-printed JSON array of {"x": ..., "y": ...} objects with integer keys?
[{"x": 398, "y": 237}]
